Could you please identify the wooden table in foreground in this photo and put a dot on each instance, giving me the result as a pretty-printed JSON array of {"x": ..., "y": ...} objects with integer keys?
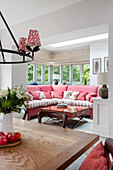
[
  {"x": 64, "y": 113},
  {"x": 45, "y": 147}
]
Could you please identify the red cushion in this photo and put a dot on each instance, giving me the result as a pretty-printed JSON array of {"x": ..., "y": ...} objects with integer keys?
[
  {"x": 58, "y": 94},
  {"x": 89, "y": 96},
  {"x": 96, "y": 159},
  {"x": 36, "y": 95},
  {"x": 82, "y": 96},
  {"x": 48, "y": 95}
]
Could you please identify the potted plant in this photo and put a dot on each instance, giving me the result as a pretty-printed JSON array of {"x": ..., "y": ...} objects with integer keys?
[{"x": 10, "y": 101}]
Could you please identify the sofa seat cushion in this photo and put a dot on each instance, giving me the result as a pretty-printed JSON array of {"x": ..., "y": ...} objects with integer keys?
[
  {"x": 81, "y": 103},
  {"x": 43, "y": 102}
]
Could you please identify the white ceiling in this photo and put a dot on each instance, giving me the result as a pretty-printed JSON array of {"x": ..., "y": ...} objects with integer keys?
[
  {"x": 16, "y": 11},
  {"x": 87, "y": 32}
]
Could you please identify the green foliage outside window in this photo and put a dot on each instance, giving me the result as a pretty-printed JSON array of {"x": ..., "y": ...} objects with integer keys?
[
  {"x": 86, "y": 74},
  {"x": 30, "y": 72},
  {"x": 39, "y": 69},
  {"x": 56, "y": 70},
  {"x": 46, "y": 77},
  {"x": 76, "y": 73},
  {"x": 66, "y": 73}
]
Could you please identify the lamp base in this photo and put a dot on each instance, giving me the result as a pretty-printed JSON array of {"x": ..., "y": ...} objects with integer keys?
[{"x": 103, "y": 92}]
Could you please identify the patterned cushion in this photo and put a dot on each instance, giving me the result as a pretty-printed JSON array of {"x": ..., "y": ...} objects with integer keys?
[
  {"x": 67, "y": 94},
  {"x": 81, "y": 103}
]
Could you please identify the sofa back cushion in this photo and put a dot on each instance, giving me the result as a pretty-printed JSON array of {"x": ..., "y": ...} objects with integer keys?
[
  {"x": 58, "y": 88},
  {"x": 46, "y": 88},
  {"x": 83, "y": 88},
  {"x": 33, "y": 88}
]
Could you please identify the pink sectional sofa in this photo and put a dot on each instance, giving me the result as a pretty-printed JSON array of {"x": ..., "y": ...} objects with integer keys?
[{"x": 35, "y": 106}]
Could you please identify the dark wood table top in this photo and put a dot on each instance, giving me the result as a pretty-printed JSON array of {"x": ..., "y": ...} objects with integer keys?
[
  {"x": 45, "y": 147},
  {"x": 71, "y": 111}
]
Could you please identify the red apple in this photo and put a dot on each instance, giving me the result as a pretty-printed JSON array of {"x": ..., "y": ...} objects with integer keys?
[
  {"x": 2, "y": 133},
  {"x": 3, "y": 140},
  {"x": 11, "y": 138},
  {"x": 8, "y": 133},
  {"x": 18, "y": 135}
]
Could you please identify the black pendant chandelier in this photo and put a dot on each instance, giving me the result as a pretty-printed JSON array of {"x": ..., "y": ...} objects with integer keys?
[{"x": 25, "y": 48}]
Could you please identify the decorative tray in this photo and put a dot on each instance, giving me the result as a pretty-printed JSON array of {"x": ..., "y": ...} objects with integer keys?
[{"x": 11, "y": 144}]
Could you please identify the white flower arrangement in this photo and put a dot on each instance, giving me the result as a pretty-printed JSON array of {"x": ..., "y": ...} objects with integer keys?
[{"x": 12, "y": 99}]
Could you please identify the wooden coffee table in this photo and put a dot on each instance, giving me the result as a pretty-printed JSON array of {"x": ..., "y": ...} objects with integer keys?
[{"x": 64, "y": 113}]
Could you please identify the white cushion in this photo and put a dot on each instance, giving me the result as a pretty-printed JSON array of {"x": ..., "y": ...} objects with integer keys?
[
  {"x": 42, "y": 96},
  {"x": 74, "y": 95},
  {"x": 67, "y": 94},
  {"x": 30, "y": 97}
]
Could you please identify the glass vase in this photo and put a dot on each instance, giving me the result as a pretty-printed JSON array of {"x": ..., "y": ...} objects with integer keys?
[{"x": 7, "y": 123}]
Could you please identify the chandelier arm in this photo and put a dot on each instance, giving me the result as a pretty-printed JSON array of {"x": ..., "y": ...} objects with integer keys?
[
  {"x": 18, "y": 52},
  {"x": 2, "y": 51},
  {"x": 9, "y": 30}
]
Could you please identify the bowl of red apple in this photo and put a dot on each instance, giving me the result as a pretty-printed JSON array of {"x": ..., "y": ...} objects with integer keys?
[{"x": 9, "y": 138}]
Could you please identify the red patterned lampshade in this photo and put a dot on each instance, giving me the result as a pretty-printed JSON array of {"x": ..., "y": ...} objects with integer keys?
[
  {"x": 33, "y": 38},
  {"x": 22, "y": 43}
]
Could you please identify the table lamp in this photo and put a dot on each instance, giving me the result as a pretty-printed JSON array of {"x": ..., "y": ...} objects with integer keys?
[{"x": 102, "y": 79}]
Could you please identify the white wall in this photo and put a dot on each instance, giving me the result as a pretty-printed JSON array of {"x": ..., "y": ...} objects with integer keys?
[
  {"x": 19, "y": 75},
  {"x": 97, "y": 50}
]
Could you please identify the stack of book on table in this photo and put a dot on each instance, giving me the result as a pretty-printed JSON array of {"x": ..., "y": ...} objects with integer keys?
[{"x": 62, "y": 105}]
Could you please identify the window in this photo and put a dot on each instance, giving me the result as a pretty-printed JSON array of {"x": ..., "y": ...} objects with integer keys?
[
  {"x": 46, "y": 73},
  {"x": 39, "y": 73},
  {"x": 66, "y": 73},
  {"x": 76, "y": 73},
  {"x": 56, "y": 72},
  {"x": 86, "y": 73},
  {"x": 30, "y": 72}
]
